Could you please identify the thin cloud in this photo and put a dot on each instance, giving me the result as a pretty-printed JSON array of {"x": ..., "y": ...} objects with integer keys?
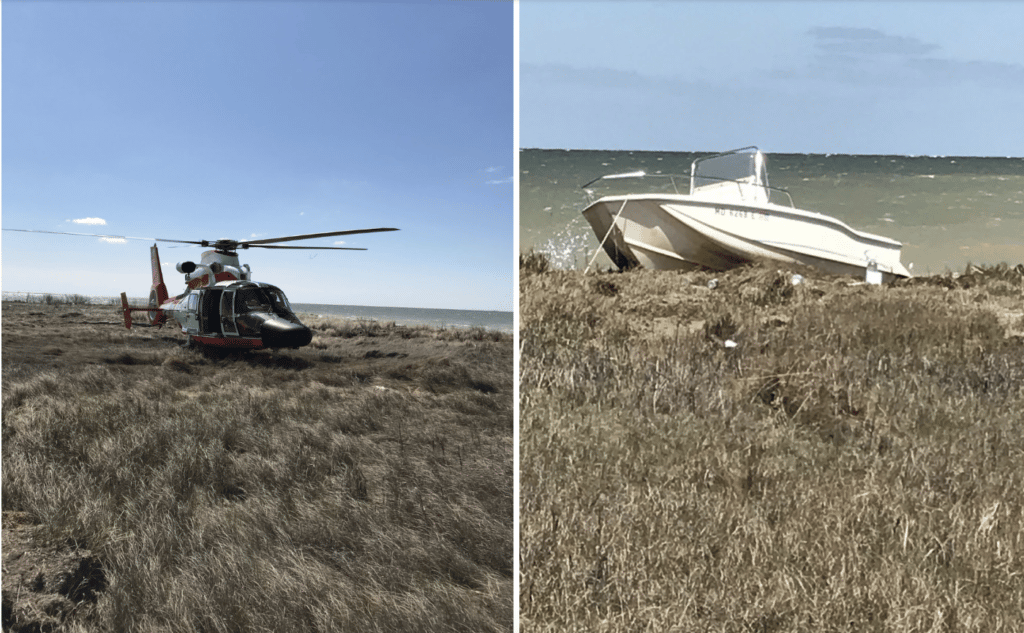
[
  {"x": 592, "y": 77},
  {"x": 114, "y": 240},
  {"x": 339, "y": 242},
  {"x": 89, "y": 221},
  {"x": 996, "y": 73},
  {"x": 844, "y": 40},
  {"x": 497, "y": 181},
  {"x": 869, "y": 56}
]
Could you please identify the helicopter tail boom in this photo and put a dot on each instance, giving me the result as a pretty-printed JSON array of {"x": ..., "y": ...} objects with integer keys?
[
  {"x": 157, "y": 297},
  {"x": 158, "y": 276},
  {"x": 158, "y": 293},
  {"x": 126, "y": 311}
]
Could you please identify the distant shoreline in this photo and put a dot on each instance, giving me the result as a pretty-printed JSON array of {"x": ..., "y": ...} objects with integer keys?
[
  {"x": 775, "y": 153},
  {"x": 14, "y": 295},
  {"x": 499, "y": 321}
]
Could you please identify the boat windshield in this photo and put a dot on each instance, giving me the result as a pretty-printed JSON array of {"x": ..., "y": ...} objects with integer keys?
[
  {"x": 747, "y": 166},
  {"x": 738, "y": 176}
]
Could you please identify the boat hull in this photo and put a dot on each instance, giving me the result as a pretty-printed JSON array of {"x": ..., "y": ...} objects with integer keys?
[{"x": 665, "y": 232}]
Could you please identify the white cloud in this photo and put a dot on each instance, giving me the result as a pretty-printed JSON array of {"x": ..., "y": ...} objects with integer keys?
[
  {"x": 114, "y": 240},
  {"x": 89, "y": 221},
  {"x": 496, "y": 180},
  {"x": 339, "y": 242}
]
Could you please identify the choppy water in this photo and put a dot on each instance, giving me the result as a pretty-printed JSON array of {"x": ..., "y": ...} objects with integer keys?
[{"x": 947, "y": 211}]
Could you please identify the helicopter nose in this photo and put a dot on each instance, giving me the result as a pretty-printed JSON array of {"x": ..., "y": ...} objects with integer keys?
[{"x": 281, "y": 333}]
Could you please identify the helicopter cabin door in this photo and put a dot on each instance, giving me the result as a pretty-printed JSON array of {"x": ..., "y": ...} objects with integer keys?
[
  {"x": 227, "y": 313},
  {"x": 209, "y": 310},
  {"x": 192, "y": 314}
]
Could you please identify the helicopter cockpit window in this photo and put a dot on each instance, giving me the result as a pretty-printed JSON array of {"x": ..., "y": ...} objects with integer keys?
[
  {"x": 251, "y": 300},
  {"x": 278, "y": 300},
  {"x": 280, "y": 303}
]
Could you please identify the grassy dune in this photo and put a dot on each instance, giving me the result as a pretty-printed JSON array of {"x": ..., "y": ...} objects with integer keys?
[
  {"x": 363, "y": 483},
  {"x": 855, "y": 462}
]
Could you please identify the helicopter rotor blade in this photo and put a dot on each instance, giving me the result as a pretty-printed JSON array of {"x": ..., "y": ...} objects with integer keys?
[
  {"x": 229, "y": 244},
  {"x": 311, "y": 248},
  {"x": 116, "y": 237},
  {"x": 309, "y": 236},
  {"x": 199, "y": 243}
]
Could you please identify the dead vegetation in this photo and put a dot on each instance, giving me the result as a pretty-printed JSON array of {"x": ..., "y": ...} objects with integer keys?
[
  {"x": 362, "y": 483},
  {"x": 736, "y": 452}
]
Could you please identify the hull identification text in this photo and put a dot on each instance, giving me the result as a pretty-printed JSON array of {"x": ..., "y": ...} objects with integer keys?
[{"x": 742, "y": 214}]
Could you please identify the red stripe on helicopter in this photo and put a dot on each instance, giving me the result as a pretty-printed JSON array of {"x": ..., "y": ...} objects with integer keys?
[
  {"x": 201, "y": 282},
  {"x": 244, "y": 343}
]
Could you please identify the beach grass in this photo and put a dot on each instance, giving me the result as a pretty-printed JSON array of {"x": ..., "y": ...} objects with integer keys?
[
  {"x": 735, "y": 452},
  {"x": 363, "y": 483}
]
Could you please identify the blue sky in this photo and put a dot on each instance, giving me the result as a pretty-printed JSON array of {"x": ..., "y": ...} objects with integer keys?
[
  {"x": 913, "y": 78},
  {"x": 202, "y": 120}
]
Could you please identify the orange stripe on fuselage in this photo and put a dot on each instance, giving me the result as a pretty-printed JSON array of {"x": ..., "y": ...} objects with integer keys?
[
  {"x": 243, "y": 343},
  {"x": 202, "y": 282}
]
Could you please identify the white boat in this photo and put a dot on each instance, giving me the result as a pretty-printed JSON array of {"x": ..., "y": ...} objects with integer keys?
[{"x": 731, "y": 217}]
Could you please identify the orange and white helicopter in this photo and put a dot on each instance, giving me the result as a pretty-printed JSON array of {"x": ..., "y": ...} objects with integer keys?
[{"x": 222, "y": 307}]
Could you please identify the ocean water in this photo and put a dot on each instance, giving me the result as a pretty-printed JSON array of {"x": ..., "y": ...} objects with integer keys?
[
  {"x": 438, "y": 318},
  {"x": 947, "y": 211},
  {"x": 500, "y": 321}
]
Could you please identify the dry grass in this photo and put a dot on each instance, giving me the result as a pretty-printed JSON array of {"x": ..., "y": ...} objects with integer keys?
[
  {"x": 854, "y": 463},
  {"x": 363, "y": 483}
]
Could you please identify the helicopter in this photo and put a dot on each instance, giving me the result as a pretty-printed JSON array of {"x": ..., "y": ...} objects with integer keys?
[{"x": 222, "y": 307}]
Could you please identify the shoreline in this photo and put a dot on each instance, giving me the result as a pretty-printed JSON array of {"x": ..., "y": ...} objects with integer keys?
[{"x": 490, "y": 320}]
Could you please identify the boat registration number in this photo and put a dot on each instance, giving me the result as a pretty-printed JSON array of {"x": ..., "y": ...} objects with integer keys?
[{"x": 742, "y": 214}]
